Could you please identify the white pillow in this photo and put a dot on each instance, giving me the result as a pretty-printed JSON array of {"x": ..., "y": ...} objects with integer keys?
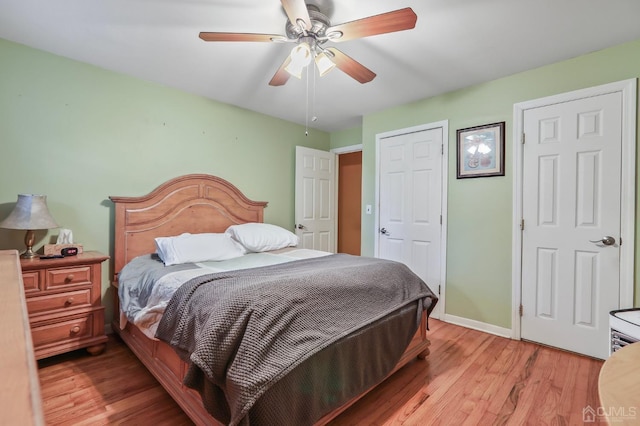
[
  {"x": 258, "y": 237},
  {"x": 188, "y": 248}
]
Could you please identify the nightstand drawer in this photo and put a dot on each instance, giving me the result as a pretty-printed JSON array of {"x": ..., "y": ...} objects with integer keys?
[
  {"x": 60, "y": 301},
  {"x": 63, "y": 297},
  {"x": 31, "y": 281},
  {"x": 69, "y": 329},
  {"x": 65, "y": 277}
]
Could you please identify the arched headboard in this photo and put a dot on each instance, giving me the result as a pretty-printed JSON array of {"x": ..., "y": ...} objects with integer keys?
[{"x": 194, "y": 203}]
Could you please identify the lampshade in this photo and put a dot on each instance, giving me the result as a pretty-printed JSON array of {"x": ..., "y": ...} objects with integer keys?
[
  {"x": 30, "y": 213},
  {"x": 324, "y": 64},
  {"x": 300, "y": 58}
]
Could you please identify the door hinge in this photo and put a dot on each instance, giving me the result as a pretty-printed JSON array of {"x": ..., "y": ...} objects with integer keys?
[
  {"x": 521, "y": 309},
  {"x": 442, "y": 149},
  {"x": 522, "y": 225},
  {"x": 439, "y": 286},
  {"x": 440, "y": 219},
  {"x": 523, "y": 139}
]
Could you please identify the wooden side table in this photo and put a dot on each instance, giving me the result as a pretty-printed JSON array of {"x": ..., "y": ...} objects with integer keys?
[
  {"x": 64, "y": 303},
  {"x": 619, "y": 386}
]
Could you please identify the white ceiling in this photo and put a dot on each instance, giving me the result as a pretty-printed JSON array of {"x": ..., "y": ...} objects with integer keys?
[{"x": 456, "y": 43}]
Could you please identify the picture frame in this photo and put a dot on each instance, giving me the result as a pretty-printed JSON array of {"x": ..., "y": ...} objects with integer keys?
[{"x": 480, "y": 151}]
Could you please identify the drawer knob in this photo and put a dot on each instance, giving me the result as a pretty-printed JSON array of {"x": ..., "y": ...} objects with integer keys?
[
  {"x": 69, "y": 301},
  {"x": 75, "y": 329},
  {"x": 69, "y": 278}
]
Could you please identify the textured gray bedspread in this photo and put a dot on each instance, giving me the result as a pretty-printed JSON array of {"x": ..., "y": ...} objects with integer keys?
[{"x": 244, "y": 330}]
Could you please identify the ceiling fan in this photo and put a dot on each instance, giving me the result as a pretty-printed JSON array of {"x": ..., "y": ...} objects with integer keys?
[{"x": 310, "y": 29}]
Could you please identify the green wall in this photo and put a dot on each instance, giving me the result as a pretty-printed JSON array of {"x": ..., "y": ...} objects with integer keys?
[
  {"x": 347, "y": 137},
  {"x": 479, "y": 218},
  {"x": 79, "y": 134}
]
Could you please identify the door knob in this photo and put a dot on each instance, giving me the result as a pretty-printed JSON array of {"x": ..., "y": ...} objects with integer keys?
[
  {"x": 607, "y": 241},
  {"x": 384, "y": 231},
  {"x": 301, "y": 226}
]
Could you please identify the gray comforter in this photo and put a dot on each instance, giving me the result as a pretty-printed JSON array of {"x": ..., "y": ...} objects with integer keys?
[{"x": 243, "y": 331}]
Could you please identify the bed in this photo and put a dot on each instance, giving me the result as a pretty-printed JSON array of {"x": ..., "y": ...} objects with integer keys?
[{"x": 199, "y": 204}]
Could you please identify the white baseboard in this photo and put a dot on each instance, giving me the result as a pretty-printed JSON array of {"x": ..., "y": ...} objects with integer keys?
[{"x": 477, "y": 325}]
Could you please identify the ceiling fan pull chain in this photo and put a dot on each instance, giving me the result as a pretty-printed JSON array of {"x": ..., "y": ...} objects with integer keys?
[
  {"x": 313, "y": 102},
  {"x": 306, "y": 109}
]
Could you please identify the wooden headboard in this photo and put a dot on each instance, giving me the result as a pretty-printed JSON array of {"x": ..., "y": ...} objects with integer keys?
[{"x": 193, "y": 203}]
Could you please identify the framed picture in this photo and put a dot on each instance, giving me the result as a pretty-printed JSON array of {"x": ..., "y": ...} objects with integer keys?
[{"x": 481, "y": 151}]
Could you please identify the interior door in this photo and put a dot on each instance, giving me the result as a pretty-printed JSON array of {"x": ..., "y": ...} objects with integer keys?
[
  {"x": 315, "y": 188},
  {"x": 410, "y": 202},
  {"x": 572, "y": 222}
]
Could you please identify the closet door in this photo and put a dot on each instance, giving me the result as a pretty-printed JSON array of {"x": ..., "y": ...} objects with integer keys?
[{"x": 410, "y": 197}]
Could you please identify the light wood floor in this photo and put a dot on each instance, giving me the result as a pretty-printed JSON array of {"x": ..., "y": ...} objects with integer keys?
[{"x": 469, "y": 378}]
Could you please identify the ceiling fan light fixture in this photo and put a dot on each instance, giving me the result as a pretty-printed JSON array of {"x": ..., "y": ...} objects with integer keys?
[
  {"x": 301, "y": 53},
  {"x": 300, "y": 58},
  {"x": 295, "y": 69},
  {"x": 324, "y": 64}
]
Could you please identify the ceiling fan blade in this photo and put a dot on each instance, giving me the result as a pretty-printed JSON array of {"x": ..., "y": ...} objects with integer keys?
[
  {"x": 281, "y": 76},
  {"x": 351, "y": 67},
  {"x": 398, "y": 20},
  {"x": 297, "y": 10},
  {"x": 239, "y": 37}
]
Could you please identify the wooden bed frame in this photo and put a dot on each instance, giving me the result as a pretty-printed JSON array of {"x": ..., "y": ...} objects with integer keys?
[{"x": 194, "y": 203}]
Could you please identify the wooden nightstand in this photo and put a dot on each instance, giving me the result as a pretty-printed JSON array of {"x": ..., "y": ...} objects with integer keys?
[{"x": 64, "y": 303}]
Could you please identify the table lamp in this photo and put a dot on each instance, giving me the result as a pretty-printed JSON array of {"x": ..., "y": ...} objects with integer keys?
[{"x": 30, "y": 213}]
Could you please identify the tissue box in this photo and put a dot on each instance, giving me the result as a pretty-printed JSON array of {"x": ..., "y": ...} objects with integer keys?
[{"x": 54, "y": 249}]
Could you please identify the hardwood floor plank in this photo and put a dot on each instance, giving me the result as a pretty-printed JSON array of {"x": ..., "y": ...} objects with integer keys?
[
  {"x": 514, "y": 360},
  {"x": 481, "y": 395},
  {"x": 108, "y": 389},
  {"x": 549, "y": 394},
  {"x": 470, "y": 378},
  {"x": 446, "y": 390}
]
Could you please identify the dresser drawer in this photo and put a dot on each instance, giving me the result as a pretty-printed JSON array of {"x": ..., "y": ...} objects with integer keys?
[
  {"x": 67, "y": 329},
  {"x": 60, "y": 301},
  {"x": 68, "y": 277}
]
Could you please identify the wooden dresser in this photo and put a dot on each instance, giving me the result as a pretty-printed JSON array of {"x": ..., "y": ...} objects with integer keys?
[
  {"x": 64, "y": 303},
  {"x": 20, "y": 402}
]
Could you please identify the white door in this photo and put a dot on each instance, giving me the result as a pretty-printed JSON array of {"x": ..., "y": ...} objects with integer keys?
[
  {"x": 315, "y": 189},
  {"x": 571, "y": 203},
  {"x": 410, "y": 202}
]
